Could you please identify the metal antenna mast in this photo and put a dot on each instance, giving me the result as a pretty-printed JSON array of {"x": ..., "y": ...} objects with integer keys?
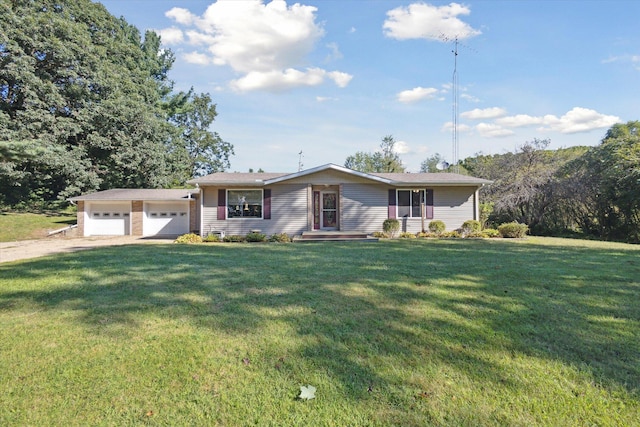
[
  {"x": 454, "y": 137},
  {"x": 300, "y": 161}
]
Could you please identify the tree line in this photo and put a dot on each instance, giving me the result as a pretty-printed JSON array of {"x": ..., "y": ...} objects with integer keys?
[
  {"x": 588, "y": 191},
  {"x": 86, "y": 104}
]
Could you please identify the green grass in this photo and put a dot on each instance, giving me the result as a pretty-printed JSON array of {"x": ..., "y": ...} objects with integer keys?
[
  {"x": 24, "y": 226},
  {"x": 423, "y": 332}
]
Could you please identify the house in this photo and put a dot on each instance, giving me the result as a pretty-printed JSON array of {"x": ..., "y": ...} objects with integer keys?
[{"x": 328, "y": 197}]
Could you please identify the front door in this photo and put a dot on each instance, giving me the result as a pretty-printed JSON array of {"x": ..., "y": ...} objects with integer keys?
[{"x": 329, "y": 211}]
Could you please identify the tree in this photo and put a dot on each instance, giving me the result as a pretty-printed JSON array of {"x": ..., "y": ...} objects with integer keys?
[
  {"x": 385, "y": 160},
  {"x": 431, "y": 164},
  {"x": 92, "y": 97}
]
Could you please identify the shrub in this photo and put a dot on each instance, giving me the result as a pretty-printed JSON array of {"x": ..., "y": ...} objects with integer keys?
[
  {"x": 254, "y": 236},
  {"x": 490, "y": 232},
  {"x": 407, "y": 235},
  {"x": 513, "y": 229},
  {"x": 189, "y": 238},
  {"x": 234, "y": 238},
  {"x": 211, "y": 238},
  {"x": 437, "y": 226},
  {"x": 381, "y": 235},
  {"x": 471, "y": 226},
  {"x": 280, "y": 238},
  {"x": 455, "y": 234},
  {"x": 423, "y": 234},
  {"x": 391, "y": 226}
]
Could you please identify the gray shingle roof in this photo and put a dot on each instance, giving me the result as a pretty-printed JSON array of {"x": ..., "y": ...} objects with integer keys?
[{"x": 137, "y": 194}]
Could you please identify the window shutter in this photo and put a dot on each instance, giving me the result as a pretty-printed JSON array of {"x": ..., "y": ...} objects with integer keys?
[
  {"x": 222, "y": 204},
  {"x": 429, "y": 204},
  {"x": 392, "y": 203},
  {"x": 266, "y": 204}
]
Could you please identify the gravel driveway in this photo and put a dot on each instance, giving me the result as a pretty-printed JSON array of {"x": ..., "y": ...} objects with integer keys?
[{"x": 25, "y": 249}]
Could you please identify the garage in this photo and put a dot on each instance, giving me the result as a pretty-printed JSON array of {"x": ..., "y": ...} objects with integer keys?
[
  {"x": 165, "y": 218},
  {"x": 108, "y": 219}
]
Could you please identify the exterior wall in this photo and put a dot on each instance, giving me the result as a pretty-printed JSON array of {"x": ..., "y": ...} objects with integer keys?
[
  {"x": 136, "y": 217},
  {"x": 289, "y": 212},
  {"x": 364, "y": 207},
  {"x": 80, "y": 217}
]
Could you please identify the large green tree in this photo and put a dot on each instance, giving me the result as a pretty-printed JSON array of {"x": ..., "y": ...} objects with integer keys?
[
  {"x": 90, "y": 100},
  {"x": 384, "y": 160}
]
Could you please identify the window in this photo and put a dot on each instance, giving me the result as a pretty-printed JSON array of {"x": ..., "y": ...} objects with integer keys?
[
  {"x": 244, "y": 204},
  {"x": 409, "y": 203}
]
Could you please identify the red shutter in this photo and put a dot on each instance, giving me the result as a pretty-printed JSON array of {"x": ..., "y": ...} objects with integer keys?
[
  {"x": 392, "y": 203},
  {"x": 316, "y": 210},
  {"x": 429, "y": 204},
  {"x": 222, "y": 204},
  {"x": 266, "y": 204}
]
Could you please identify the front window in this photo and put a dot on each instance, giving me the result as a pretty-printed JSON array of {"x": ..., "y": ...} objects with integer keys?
[
  {"x": 409, "y": 203},
  {"x": 244, "y": 204}
]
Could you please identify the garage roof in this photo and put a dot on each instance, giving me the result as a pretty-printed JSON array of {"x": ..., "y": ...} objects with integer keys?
[{"x": 123, "y": 194}]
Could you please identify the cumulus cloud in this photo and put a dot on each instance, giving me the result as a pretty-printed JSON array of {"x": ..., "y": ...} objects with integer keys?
[
  {"x": 491, "y": 130},
  {"x": 484, "y": 114},
  {"x": 171, "y": 35},
  {"x": 576, "y": 120},
  {"x": 401, "y": 147},
  {"x": 263, "y": 42},
  {"x": 425, "y": 21},
  {"x": 197, "y": 58},
  {"x": 416, "y": 94}
]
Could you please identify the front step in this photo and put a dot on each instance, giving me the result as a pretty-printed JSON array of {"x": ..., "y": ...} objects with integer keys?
[{"x": 334, "y": 236}]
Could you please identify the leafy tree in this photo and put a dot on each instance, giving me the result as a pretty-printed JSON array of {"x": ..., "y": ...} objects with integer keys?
[
  {"x": 92, "y": 98},
  {"x": 385, "y": 160},
  {"x": 431, "y": 164}
]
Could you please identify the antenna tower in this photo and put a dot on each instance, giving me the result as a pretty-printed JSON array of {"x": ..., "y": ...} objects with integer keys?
[
  {"x": 300, "y": 161},
  {"x": 455, "y": 143}
]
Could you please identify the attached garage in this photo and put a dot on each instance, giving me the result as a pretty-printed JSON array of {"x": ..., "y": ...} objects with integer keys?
[
  {"x": 107, "y": 219},
  {"x": 165, "y": 218},
  {"x": 138, "y": 212}
]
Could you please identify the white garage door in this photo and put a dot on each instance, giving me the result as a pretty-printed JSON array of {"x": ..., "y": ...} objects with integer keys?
[
  {"x": 108, "y": 219},
  {"x": 165, "y": 218}
]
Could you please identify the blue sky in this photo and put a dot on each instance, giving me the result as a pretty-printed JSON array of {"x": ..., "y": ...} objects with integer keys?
[{"x": 330, "y": 78}]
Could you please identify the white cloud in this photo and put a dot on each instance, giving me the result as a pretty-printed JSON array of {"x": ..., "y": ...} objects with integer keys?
[
  {"x": 325, "y": 98},
  {"x": 469, "y": 98},
  {"x": 484, "y": 114},
  {"x": 334, "y": 52},
  {"x": 490, "y": 130},
  {"x": 448, "y": 126},
  {"x": 416, "y": 94},
  {"x": 181, "y": 16},
  {"x": 401, "y": 147},
  {"x": 576, "y": 120},
  {"x": 171, "y": 35},
  {"x": 634, "y": 60},
  {"x": 197, "y": 58},
  {"x": 425, "y": 21},
  {"x": 266, "y": 43}
]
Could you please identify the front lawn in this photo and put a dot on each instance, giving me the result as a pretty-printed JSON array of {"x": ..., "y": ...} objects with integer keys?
[
  {"x": 23, "y": 226},
  {"x": 416, "y": 332}
]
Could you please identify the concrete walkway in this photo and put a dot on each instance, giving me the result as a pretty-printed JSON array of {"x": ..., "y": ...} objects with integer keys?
[{"x": 26, "y": 249}]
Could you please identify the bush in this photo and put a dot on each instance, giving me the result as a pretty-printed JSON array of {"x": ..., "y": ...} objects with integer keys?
[
  {"x": 211, "y": 238},
  {"x": 437, "y": 226},
  {"x": 189, "y": 238},
  {"x": 381, "y": 235},
  {"x": 407, "y": 235},
  {"x": 280, "y": 238},
  {"x": 455, "y": 234},
  {"x": 423, "y": 234},
  {"x": 513, "y": 229},
  {"x": 391, "y": 226},
  {"x": 490, "y": 232},
  {"x": 471, "y": 227},
  {"x": 234, "y": 238},
  {"x": 254, "y": 236}
]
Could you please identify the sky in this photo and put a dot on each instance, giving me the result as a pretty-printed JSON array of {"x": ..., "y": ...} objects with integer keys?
[{"x": 330, "y": 78}]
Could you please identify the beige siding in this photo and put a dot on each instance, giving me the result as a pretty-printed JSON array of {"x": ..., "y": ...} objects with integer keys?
[
  {"x": 328, "y": 177},
  {"x": 364, "y": 207},
  {"x": 288, "y": 213}
]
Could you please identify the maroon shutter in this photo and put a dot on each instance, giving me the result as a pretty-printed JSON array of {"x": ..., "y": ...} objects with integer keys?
[
  {"x": 392, "y": 203},
  {"x": 429, "y": 204},
  {"x": 222, "y": 204},
  {"x": 316, "y": 210},
  {"x": 266, "y": 205}
]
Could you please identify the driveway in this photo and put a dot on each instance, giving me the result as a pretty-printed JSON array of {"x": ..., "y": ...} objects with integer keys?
[{"x": 26, "y": 249}]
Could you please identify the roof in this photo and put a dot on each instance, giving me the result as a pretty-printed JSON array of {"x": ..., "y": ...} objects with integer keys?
[
  {"x": 395, "y": 179},
  {"x": 122, "y": 194}
]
